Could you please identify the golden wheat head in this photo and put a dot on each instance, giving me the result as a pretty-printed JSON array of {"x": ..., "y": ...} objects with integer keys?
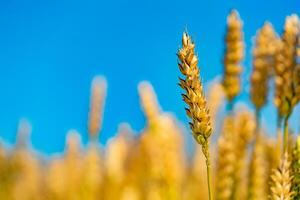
[
  {"x": 194, "y": 96},
  {"x": 258, "y": 177},
  {"x": 234, "y": 53},
  {"x": 98, "y": 93},
  {"x": 225, "y": 172},
  {"x": 286, "y": 57},
  {"x": 281, "y": 187},
  {"x": 263, "y": 61},
  {"x": 149, "y": 101}
]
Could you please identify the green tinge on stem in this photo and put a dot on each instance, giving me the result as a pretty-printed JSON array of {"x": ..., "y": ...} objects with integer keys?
[
  {"x": 257, "y": 118},
  {"x": 286, "y": 133},
  {"x": 278, "y": 127},
  {"x": 208, "y": 169}
]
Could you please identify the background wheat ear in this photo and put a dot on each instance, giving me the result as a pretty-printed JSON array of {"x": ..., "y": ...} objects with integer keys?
[
  {"x": 258, "y": 171},
  {"x": 97, "y": 100},
  {"x": 149, "y": 102},
  {"x": 285, "y": 67},
  {"x": 286, "y": 61},
  {"x": 263, "y": 61},
  {"x": 196, "y": 109},
  {"x": 234, "y": 53},
  {"x": 245, "y": 129},
  {"x": 225, "y": 172}
]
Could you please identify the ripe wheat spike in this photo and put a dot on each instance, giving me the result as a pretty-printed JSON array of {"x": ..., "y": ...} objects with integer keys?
[
  {"x": 281, "y": 186},
  {"x": 194, "y": 98},
  {"x": 98, "y": 94},
  {"x": 245, "y": 129},
  {"x": 226, "y": 161},
  {"x": 263, "y": 61},
  {"x": 285, "y": 66},
  {"x": 258, "y": 177},
  {"x": 149, "y": 101},
  {"x": 234, "y": 53},
  {"x": 286, "y": 61}
]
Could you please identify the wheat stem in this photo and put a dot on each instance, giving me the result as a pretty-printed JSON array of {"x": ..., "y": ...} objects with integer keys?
[
  {"x": 257, "y": 118},
  {"x": 278, "y": 127},
  {"x": 208, "y": 176},
  {"x": 286, "y": 133}
]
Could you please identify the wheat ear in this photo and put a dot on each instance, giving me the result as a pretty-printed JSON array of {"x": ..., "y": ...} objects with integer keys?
[
  {"x": 149, "y": 102},
  {"x": 286, "y": 61},
  {"x": 258, "y": 171},
  {"x": 281, "y": 186},
  {"x": 234, "y": 53},
  {"x": 194, "y": 98},
  {"x": 245, "y": 128},
  {"x": 263, "y": 60},
  {"x": 97, "y": 99},
  {"x": 226, "y": 161}
]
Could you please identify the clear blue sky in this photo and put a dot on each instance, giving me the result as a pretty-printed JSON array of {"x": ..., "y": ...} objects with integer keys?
[{"x": 50, "y": 50}]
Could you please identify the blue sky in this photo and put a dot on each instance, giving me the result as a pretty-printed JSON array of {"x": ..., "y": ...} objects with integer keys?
[{"x": 50, "y": 50}]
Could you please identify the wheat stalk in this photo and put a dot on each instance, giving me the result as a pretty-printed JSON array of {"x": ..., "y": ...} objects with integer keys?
[
  {"x": 194, "y": 98},
  {"x": 285, "y": 95}
]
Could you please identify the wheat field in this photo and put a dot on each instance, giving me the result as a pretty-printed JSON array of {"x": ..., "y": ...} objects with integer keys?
[{"x": 234, "y": 158}]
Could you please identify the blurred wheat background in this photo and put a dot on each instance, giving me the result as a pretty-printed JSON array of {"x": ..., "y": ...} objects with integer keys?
[{"x": 244, "y": 121}]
